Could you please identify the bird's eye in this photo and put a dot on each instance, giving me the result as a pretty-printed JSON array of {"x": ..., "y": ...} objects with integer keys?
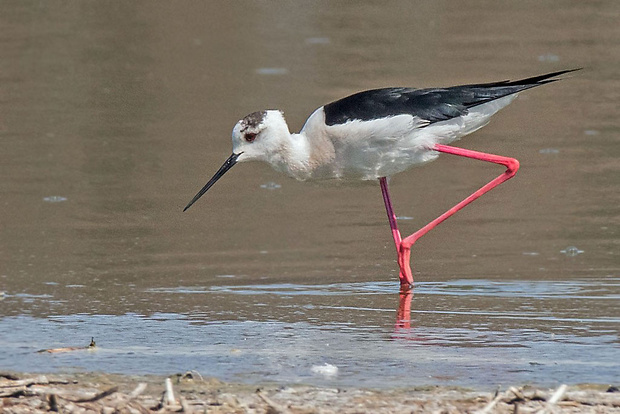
[{"x": 250, "y": 136}]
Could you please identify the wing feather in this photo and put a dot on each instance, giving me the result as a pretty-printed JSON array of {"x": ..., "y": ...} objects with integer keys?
[{"x": 432, "y": 105}]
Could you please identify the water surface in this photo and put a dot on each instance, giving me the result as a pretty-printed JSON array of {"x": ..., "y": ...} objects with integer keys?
[{"x": 114, "y": 114}]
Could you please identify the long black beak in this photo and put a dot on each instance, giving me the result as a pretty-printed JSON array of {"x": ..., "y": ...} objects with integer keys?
[{"x": 228, "y": 164}]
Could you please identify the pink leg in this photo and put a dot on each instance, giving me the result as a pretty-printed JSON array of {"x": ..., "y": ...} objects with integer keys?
[
  {"x": 406, "y": 278},
  {"x": 403, "y": 246},
  {"x": 390, "y": 212}
]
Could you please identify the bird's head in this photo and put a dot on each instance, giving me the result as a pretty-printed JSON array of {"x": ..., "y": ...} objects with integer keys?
[{"x": 258, "y": 136}]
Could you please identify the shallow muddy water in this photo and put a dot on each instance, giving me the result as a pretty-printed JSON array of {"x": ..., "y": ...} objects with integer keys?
[
  {"x": 460, "y": 332},
  {"x": 114, "y": 114}
]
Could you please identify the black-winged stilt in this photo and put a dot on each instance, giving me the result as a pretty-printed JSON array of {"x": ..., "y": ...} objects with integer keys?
[{"x": 377, "y": 133}]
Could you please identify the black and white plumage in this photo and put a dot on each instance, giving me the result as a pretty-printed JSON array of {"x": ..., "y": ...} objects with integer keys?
[
  {"x": 371, "y": 134},
  {"x": 433, "y": 105}
]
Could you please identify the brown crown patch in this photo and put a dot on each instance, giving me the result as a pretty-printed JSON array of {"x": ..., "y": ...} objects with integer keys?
[{"x": 253, "y": 120}]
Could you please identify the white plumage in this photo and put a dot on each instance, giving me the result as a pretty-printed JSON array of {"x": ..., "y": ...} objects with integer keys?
[{"x": 357, "y": 149}]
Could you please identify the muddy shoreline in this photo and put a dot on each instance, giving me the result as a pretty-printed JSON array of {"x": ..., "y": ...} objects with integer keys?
[{"x": 191, "y": 392}]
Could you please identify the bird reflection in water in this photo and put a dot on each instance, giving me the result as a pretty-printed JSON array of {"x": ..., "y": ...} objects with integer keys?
[{"x": 403, "y": 313}]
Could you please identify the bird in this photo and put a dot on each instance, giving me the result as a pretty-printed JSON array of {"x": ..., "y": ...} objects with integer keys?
[{"x": 377, "y": 133}]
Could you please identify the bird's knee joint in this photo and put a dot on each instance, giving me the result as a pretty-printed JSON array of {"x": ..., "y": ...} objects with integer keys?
[{"x": 512, "y": 166}]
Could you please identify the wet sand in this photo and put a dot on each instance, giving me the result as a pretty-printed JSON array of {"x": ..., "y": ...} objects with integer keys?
[{"x": 190, "y": 392}]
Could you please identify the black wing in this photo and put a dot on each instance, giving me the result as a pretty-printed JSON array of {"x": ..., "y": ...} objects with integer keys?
[{"x": 433, "y": 105}]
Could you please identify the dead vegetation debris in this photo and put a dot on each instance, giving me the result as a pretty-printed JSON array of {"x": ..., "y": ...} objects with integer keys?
[{"x": 192, "y": 393}]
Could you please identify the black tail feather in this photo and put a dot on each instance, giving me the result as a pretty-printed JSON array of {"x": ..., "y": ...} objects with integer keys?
[{"x": 533, "y": 81}]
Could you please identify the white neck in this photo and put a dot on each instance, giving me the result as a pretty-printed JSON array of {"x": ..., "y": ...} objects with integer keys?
[
  {"x": 293, "y": 156},
  {"x": 309, "y": 153}
]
